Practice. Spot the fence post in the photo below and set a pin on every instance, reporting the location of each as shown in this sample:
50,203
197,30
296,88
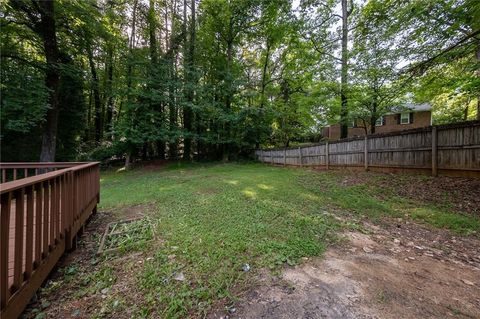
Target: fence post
434,151
327,160
366,153
300,156
285,156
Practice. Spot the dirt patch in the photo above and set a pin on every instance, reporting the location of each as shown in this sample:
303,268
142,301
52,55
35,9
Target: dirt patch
399,271
84,284
153,165
461,194
135,211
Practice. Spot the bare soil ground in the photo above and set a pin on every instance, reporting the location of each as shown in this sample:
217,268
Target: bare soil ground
396,270
461,194
60,297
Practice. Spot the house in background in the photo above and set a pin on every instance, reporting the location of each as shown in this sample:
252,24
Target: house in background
410,116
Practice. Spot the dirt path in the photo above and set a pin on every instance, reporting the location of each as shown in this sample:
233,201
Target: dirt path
399,270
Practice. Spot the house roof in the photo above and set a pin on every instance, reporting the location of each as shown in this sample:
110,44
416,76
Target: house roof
412,107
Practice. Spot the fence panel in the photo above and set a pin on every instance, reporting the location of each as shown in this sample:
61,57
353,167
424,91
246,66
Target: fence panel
347,153
452,149
459,148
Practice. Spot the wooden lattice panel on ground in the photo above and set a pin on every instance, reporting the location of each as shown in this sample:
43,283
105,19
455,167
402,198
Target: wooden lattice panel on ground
126,235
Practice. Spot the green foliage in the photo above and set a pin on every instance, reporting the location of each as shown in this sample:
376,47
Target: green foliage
437,39
103,152
225,77
448,108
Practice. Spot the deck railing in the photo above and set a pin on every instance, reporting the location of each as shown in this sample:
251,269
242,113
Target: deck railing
14,171
40,217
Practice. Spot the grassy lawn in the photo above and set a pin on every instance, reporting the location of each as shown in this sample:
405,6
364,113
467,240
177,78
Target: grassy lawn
212,220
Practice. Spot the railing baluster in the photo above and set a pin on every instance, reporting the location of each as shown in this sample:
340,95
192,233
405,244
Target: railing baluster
53,212
19,228
46,217
29,246
76,197
38,223
4,246
68,210
63,205
59,212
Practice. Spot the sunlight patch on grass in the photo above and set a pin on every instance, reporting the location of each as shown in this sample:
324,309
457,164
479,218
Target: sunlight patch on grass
310,196
232,182
264,187
250,193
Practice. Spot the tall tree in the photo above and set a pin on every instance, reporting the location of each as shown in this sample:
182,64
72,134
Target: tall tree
46,28
377,86
346,12
189,71
155,73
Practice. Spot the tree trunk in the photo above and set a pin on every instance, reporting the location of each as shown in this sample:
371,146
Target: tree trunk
47,31
89,117
130,47
264,74
226,149
96,96
154,70
189,80
374,117
131,44
478,75
172,109
344,72
109,92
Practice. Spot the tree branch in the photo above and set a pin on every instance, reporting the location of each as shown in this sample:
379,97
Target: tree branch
424,64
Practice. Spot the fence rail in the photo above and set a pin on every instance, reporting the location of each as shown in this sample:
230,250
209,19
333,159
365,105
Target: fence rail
40,217
447,149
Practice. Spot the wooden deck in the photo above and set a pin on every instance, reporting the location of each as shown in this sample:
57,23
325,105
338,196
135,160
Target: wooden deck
35,234
11,237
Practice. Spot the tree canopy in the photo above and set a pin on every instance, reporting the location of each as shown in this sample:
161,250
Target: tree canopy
215,79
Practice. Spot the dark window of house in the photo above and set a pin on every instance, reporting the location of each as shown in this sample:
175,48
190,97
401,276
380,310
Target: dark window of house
405,118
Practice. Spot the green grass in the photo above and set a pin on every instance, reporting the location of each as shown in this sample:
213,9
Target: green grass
212,219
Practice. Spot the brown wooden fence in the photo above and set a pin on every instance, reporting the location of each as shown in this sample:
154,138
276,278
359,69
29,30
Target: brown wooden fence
40,217
447,149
